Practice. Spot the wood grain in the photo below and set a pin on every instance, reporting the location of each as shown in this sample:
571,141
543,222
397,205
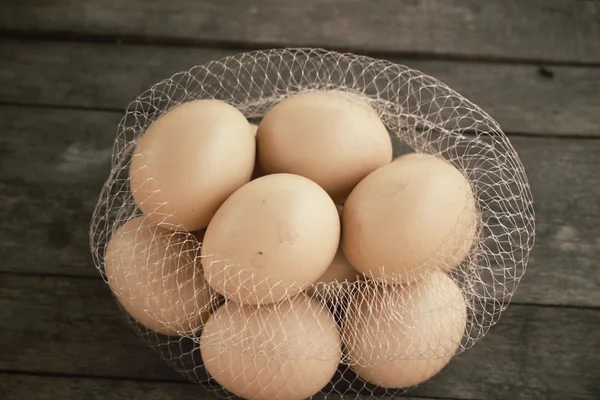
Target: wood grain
26,387
551,30
53,166
84,334
558,100
71,326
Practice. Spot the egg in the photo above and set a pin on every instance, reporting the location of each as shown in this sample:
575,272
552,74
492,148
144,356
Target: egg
398,337
258,169
286,351
253,128
189,161
416,214
341,271
157,277
270,239
331,137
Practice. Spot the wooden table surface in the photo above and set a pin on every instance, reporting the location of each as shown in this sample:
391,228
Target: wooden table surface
68,69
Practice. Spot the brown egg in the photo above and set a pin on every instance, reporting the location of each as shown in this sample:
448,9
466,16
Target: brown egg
253,128
271,239
199,235
157,277
331,137
189,161
398,337
413,215
286,351
340,270
258,169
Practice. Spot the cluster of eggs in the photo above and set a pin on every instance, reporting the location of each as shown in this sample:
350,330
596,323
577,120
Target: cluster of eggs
269,218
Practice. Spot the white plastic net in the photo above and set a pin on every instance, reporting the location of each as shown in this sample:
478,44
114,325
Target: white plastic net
358,337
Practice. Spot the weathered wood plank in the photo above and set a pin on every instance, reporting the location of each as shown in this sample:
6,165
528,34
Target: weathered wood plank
81,326
555,30
45,228
90,75
84,334
53,166
532,353
29,387
522,98
564,262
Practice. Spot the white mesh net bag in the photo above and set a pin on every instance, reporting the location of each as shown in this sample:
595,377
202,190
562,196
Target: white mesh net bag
360,337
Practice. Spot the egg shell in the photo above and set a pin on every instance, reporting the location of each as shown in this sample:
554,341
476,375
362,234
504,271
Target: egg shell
286,351
398,337
340,270
157,277
189,161
271,239
331,137
258,168
253,128
413,215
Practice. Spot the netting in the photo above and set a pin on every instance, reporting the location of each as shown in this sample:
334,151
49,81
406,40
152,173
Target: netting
363,336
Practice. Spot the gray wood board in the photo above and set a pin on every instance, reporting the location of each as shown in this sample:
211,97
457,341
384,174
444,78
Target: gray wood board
72,326
558,100
26,387
54,162
552,30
